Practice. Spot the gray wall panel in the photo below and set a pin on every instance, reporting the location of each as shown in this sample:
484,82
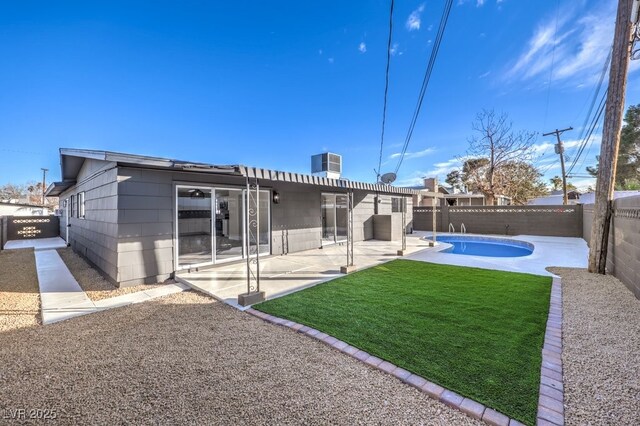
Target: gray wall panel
95,236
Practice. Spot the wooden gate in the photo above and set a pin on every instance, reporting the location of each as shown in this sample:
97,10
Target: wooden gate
25,227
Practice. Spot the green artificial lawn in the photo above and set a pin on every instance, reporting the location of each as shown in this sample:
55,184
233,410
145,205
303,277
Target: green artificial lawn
477,332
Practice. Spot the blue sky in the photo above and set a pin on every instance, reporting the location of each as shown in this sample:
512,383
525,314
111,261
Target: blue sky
271,83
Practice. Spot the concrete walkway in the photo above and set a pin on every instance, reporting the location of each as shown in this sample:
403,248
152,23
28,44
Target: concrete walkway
62,297
36,244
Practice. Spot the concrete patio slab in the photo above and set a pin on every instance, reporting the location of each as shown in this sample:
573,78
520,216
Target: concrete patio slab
36,244
281,275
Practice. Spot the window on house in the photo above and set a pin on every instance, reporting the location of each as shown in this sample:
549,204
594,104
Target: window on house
396,204
71,206
81,205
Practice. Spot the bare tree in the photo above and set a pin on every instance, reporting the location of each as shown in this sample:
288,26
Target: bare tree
10,191
500,145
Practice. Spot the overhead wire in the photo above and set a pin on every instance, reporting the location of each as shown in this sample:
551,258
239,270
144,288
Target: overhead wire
386,89
588,126
592,126
425,81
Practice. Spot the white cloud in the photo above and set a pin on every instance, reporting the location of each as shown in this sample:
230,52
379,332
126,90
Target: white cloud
480,3
331,60
485,74
362,47
411,155
394,49
574,53
439,169
414,20
320,52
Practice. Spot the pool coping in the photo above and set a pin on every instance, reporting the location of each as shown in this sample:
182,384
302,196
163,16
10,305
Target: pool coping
551,391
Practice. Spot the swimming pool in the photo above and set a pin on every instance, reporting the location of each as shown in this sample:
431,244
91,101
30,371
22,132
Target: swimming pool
486,246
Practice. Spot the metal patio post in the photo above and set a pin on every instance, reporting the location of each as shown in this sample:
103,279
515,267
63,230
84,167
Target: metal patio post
403,230
350,267
253,294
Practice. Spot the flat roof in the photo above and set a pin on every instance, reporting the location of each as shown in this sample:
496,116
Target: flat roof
71,161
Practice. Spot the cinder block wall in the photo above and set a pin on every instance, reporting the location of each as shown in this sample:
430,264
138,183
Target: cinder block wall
623,256
560,221
95,236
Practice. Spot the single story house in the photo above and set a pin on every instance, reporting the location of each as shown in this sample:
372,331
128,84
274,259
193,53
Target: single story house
8,208
556,198
451,196
140,219
590,197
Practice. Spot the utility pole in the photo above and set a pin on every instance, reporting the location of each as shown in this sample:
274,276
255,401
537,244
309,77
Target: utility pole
560,150
622,43
44,183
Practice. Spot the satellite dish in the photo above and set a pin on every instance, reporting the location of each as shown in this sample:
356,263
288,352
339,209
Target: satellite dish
387,178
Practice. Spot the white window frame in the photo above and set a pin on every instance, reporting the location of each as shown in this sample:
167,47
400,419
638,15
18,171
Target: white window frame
81,209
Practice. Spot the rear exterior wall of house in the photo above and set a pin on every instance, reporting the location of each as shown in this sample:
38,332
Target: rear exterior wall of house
128,230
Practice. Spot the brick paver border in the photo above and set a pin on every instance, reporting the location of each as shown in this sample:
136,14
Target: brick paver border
550,402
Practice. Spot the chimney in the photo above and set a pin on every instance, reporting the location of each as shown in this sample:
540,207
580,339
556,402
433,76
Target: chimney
430,184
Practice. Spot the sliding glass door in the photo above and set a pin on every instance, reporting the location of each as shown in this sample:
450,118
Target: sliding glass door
194,239
211,225
334,211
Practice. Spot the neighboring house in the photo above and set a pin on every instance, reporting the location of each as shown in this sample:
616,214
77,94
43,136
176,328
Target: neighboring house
590,197
574,197
22,209
556,198
139,219
452,197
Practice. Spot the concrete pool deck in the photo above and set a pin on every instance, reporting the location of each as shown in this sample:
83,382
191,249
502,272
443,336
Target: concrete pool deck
564,252
281,275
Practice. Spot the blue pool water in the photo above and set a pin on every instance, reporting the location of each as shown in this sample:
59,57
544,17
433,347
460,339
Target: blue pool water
486,246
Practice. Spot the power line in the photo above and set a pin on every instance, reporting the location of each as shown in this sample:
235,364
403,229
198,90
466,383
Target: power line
592,126
425,80
386,90
588,127
586,155
603,73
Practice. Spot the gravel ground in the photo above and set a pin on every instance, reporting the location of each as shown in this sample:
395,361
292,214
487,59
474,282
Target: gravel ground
601,353
19,292
186,358
92,282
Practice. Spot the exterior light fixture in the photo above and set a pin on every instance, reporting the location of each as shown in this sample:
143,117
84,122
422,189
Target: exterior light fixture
276,198
197,193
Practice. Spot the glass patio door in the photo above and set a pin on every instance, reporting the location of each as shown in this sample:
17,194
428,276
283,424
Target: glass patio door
334,211
194,226
211,225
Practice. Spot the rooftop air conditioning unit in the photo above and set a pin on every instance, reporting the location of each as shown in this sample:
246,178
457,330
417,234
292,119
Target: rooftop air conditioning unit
327,165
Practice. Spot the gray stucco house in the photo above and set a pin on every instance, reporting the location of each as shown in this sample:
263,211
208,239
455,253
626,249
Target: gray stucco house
140,219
